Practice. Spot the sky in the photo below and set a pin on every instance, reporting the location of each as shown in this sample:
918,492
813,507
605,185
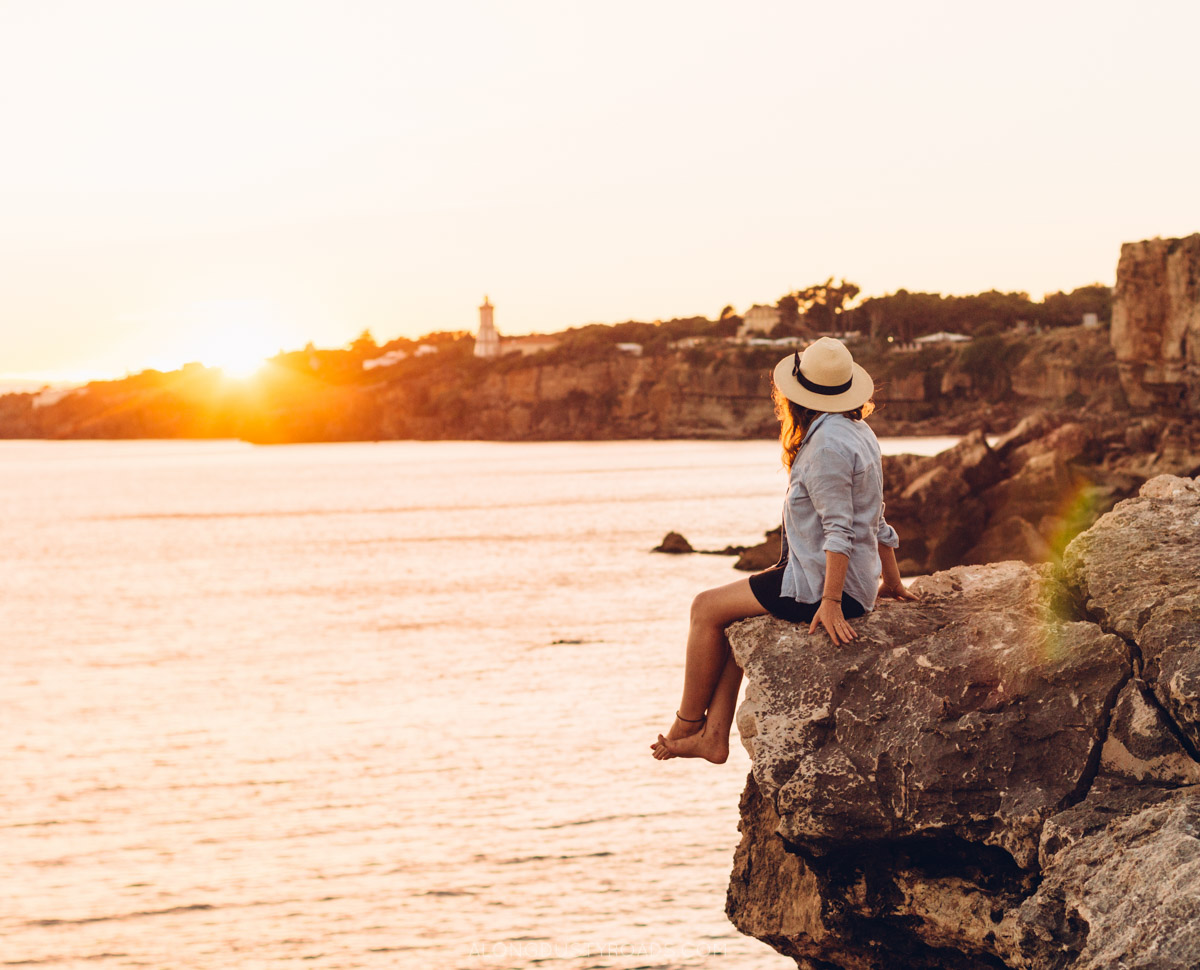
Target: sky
216,180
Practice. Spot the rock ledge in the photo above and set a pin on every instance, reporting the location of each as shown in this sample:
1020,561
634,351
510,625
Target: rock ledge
1004,775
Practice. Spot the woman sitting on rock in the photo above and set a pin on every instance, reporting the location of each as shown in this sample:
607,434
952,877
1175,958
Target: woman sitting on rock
836,543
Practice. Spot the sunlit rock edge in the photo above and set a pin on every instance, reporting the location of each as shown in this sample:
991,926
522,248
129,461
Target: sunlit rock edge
1003,775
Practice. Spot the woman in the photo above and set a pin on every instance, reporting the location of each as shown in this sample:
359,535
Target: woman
836,542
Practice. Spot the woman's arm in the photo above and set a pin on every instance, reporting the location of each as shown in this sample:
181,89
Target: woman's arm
891,583
829,613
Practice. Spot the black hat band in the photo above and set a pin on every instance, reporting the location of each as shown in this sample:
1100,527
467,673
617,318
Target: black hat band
829,389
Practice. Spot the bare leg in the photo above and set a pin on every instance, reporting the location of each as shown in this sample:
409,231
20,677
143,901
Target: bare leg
709,669
712,742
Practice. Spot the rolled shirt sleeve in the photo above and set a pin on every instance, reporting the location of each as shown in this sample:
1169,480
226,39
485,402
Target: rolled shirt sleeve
887,535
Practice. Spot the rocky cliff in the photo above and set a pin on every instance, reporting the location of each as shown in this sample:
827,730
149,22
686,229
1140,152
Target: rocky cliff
1023,495
1156,322
715,390
1003,775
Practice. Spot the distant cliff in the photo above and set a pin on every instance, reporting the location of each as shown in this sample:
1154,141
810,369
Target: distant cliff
1156,322
713,390
1006,774
587,388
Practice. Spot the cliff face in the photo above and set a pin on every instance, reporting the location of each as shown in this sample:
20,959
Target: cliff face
715,390
1156,322
628,397
1003,775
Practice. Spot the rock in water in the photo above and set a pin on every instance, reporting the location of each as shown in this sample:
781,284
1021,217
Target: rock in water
673,542
1003,775
763,556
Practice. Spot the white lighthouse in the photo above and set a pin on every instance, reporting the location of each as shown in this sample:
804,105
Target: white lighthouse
487,341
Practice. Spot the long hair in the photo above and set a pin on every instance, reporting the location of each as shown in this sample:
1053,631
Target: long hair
795,420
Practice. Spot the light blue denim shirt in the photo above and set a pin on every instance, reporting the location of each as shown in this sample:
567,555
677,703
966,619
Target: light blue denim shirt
835,503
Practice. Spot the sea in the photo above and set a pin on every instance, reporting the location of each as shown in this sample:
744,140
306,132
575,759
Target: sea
365,705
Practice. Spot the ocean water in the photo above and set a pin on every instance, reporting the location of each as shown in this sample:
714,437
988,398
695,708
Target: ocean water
364,705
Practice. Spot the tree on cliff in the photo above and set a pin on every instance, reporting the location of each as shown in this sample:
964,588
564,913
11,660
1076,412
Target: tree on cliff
728,323
726,327
903,315
1067,309
363,344
789,311
824,304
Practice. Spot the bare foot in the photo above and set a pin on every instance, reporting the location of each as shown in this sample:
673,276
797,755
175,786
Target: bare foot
700,744
679,729
682,729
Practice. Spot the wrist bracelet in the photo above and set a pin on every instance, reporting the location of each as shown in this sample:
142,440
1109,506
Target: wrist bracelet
831,599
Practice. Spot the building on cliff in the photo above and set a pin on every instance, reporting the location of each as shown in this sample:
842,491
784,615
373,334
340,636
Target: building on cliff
759,318
487,341
942,337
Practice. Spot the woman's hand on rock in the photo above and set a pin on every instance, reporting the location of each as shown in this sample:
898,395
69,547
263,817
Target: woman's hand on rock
829,615
899,591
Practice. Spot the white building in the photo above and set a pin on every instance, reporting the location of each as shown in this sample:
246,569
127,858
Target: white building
387,360
942,337
759,317
487,341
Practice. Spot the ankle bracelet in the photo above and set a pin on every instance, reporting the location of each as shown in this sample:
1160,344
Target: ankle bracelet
690,720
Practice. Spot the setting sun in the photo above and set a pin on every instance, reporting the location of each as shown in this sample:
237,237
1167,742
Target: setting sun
235,335
241,369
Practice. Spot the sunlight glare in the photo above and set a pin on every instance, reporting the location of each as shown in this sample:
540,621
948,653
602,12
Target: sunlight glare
236,336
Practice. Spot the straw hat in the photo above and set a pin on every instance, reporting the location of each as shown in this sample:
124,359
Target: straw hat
824,378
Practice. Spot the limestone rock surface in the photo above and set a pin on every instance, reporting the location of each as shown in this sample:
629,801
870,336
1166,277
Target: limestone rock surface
1156,321
1026,494
1137,571
1002,775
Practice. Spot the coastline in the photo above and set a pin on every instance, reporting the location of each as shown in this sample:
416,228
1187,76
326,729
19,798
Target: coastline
718,391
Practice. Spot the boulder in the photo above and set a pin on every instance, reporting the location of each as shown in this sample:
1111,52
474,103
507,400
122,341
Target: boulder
1121,885
1035,425
1005,774
673,542
1041,487
921,724
975,460
1136,574
1012,538
763,556
1072,442
939,484
899,470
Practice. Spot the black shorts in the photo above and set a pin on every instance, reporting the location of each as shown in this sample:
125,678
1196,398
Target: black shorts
766,586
